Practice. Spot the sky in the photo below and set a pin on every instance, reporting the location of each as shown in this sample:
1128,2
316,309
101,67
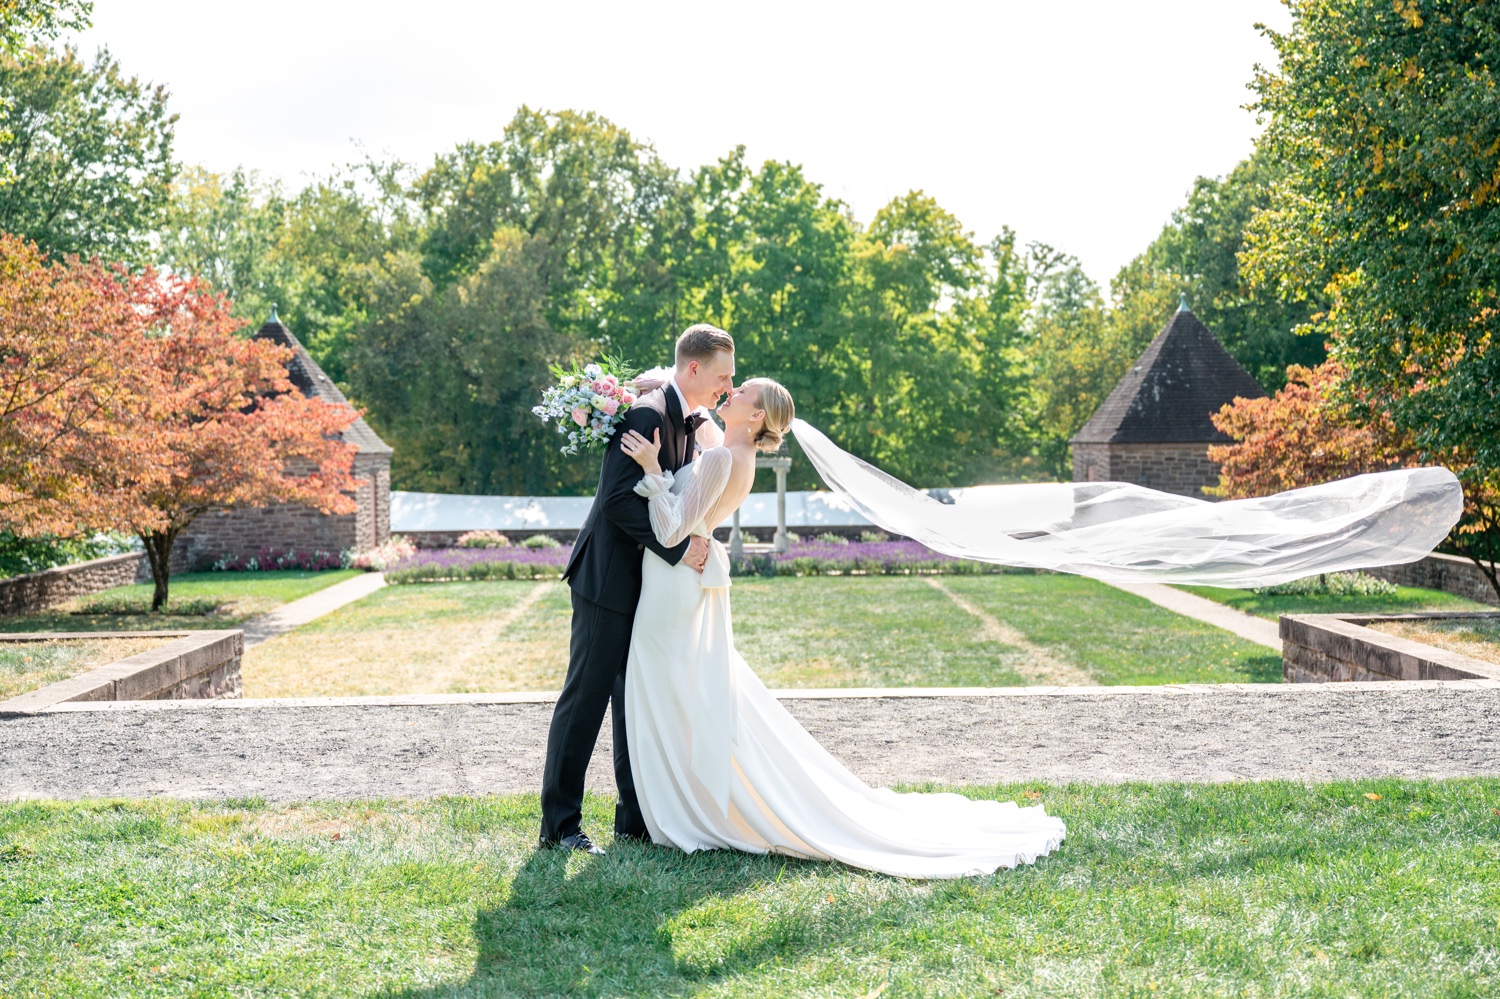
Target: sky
1079,124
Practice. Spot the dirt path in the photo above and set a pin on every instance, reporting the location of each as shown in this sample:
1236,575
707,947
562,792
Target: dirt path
486,744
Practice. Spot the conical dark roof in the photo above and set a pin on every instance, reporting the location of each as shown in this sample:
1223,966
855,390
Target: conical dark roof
308,377
1167,396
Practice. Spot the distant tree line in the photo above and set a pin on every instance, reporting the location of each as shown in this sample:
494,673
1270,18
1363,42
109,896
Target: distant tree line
438,296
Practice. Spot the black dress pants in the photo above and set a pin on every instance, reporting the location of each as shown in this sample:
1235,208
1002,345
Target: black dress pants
596,678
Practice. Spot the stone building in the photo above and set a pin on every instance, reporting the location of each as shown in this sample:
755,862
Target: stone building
245,531
1154,429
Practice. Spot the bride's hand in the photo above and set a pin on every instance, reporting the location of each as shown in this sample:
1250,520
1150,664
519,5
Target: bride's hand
647,383
643,451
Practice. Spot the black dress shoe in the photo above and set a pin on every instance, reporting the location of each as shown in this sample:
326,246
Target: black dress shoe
578,841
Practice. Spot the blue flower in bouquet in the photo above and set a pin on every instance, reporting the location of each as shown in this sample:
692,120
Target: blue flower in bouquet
587,403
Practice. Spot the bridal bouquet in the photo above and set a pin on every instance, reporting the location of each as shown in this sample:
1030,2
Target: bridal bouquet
587,402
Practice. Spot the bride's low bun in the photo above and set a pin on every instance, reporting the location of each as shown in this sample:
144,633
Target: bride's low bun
776,402
769,441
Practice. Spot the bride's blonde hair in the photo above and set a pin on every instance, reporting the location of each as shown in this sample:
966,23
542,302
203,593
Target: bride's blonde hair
776,402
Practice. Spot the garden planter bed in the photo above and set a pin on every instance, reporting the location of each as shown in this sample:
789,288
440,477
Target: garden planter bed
201,664
1323,648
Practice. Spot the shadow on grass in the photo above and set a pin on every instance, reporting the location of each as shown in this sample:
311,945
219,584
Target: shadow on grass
576,925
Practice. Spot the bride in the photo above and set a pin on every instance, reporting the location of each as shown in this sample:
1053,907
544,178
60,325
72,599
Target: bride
718,762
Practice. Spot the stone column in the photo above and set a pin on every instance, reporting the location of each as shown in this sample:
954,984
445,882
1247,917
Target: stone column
781,540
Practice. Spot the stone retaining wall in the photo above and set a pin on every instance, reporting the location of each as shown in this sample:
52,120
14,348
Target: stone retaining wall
1325,648
36,591
200,664
1449,573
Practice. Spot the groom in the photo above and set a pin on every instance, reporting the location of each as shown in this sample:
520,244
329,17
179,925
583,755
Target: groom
605,574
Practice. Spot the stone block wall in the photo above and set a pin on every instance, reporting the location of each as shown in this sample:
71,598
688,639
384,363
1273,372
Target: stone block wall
1449,573
245,531
1183,469
204,664
1329,648
36,591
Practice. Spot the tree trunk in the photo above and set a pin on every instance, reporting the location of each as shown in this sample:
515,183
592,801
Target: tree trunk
1482,547
159,556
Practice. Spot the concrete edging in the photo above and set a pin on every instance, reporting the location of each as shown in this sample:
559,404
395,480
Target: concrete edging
1337,648
196,664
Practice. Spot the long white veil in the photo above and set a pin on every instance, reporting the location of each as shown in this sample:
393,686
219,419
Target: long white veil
1123,532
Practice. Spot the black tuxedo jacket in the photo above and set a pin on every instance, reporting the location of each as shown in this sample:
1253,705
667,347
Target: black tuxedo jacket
605,567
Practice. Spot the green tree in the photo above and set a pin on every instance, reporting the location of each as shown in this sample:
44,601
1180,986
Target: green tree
23,22
1384,119
1075,355
314,255
86,154
225,229
915,369
1198,254
457,371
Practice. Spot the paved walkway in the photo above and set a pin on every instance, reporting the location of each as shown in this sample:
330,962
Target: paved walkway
425,746
1247,626
299,612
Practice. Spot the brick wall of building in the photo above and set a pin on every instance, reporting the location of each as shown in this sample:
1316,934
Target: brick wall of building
287,525
1183,469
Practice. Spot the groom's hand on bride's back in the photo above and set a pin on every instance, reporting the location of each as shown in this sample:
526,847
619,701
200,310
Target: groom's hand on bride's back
697,553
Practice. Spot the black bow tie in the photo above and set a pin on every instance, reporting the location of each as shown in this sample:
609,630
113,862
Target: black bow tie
693,422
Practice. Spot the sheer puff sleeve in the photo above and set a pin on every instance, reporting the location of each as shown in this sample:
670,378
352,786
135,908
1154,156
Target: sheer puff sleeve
674,516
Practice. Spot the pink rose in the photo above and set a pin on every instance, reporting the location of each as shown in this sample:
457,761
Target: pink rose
627,399
598,386
611,407
581,416
610,383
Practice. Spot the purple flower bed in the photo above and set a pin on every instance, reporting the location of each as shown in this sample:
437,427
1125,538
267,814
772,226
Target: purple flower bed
805,558
434,564
876,558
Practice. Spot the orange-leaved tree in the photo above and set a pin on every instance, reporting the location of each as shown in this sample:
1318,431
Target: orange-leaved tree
127,402
221,420
1317,429
67,342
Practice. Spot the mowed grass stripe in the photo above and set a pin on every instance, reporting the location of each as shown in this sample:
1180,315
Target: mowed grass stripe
441,638
865,631
1370,888
1117,637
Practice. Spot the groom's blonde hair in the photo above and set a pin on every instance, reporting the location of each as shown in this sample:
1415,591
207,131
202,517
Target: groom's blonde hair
701,342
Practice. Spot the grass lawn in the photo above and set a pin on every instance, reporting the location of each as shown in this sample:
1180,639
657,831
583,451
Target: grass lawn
238,596
1118,637
1476,637
1372,888
432,638
28,665
1405,600
837,631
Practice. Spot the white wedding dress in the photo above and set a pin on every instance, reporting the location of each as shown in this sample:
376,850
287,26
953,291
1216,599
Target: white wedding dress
719,763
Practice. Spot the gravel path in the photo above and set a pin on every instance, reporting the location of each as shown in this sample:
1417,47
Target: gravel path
478,745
